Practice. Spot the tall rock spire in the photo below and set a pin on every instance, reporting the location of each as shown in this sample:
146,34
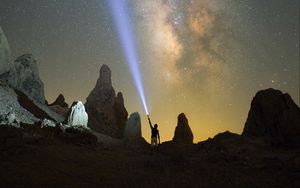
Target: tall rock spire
107,113
183,133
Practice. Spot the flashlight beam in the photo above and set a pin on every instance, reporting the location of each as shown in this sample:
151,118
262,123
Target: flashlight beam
119,10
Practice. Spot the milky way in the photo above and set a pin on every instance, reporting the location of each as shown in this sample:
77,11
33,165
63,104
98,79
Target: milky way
206,58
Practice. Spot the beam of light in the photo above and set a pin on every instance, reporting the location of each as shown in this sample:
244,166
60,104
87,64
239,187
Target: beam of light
119,11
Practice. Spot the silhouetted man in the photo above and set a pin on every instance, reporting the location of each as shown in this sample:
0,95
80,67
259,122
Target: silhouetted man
154,133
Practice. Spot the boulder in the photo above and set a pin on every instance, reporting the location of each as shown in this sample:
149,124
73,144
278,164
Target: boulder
274,116
77,115
107,113
133,130
5,55
183,133
25,77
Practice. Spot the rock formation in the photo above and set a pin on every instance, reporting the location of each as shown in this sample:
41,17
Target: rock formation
10,103
60,106
107,113
133,130
121,113
183,133
275,117
5,64
78,115
39,111
60,101
22,74
26,78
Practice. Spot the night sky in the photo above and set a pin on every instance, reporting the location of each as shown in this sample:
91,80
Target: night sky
206,58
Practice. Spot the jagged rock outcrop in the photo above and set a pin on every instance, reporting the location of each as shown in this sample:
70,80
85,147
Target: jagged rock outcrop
275,117
60,101
107,113
60,106
183,133
5,55
133,130
77,115
25,77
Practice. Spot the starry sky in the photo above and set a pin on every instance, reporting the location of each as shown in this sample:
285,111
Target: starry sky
206,58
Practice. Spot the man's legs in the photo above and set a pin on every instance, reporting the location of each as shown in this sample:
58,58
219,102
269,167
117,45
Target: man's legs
153,141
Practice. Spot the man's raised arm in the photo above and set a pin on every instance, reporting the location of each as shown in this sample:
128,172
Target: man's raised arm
150,122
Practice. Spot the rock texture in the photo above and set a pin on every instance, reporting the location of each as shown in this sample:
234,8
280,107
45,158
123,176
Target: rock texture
25,77
275,117
10,119
133,130
59,110
78,115
106,110
9,103
5,54
36,110
121,113
183,133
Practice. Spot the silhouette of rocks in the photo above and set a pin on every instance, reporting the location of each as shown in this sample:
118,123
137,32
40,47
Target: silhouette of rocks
107,113
183,133
275,117
60,106
133,130
222,146
60,101
25,77
5,54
